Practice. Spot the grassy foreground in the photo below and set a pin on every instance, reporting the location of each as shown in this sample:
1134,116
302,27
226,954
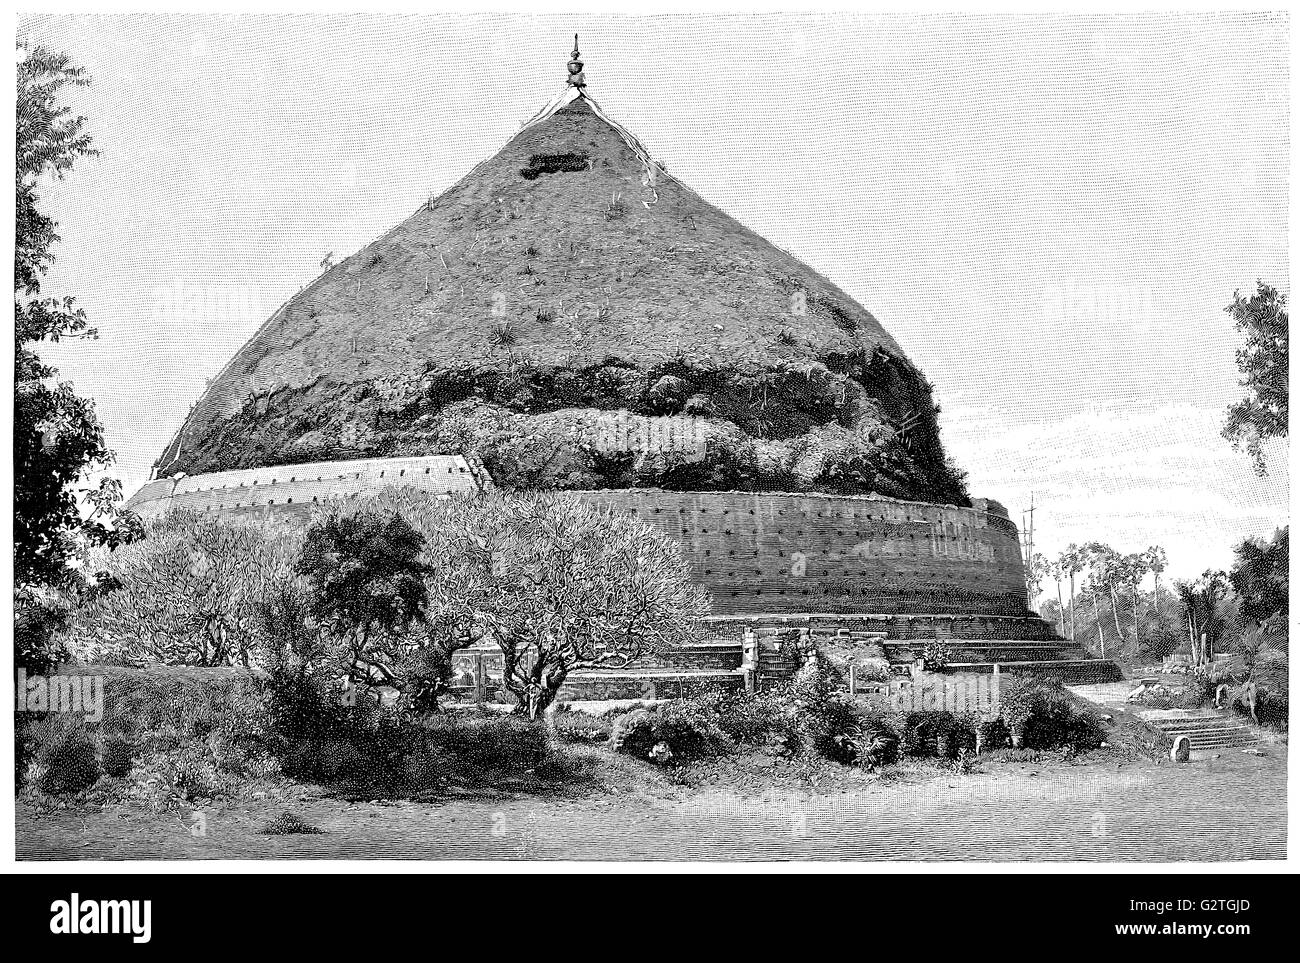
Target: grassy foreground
1103,806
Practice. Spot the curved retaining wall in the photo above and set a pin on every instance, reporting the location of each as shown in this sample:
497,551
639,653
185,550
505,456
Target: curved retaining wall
756,552
838,554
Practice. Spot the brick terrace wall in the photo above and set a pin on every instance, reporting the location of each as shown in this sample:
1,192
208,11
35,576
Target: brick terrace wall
824,553
769,553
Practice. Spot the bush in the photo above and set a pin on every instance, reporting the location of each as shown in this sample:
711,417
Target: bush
65,760
871,741
580,727
938,733
809,714
366,749
176,776
1272,708
753,718
683,727
117,754
288,824
173,735
993,734
1046,717
816,681
832,728
488,743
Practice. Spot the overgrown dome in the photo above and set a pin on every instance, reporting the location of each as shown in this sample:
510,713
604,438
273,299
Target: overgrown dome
577,318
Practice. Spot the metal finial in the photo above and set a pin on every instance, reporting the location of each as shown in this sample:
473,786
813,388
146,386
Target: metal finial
576,79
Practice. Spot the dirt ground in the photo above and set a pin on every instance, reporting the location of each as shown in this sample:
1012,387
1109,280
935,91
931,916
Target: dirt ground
1229,807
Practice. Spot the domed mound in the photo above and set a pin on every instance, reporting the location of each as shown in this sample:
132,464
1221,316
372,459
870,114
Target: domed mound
577,318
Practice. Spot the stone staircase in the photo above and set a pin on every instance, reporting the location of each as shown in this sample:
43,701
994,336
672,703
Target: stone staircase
1204,728
1023,644
976,643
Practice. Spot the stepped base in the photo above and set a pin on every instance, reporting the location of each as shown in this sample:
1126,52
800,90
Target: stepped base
899,627
1067,671
647,684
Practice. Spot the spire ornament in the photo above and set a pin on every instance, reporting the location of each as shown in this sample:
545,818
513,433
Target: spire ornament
576,79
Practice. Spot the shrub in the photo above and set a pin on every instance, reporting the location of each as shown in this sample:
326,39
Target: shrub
938,733
117,753
870,741
364,748
66,760
287,824
831,727
1272,707
580,727
1046,717
186,728
489,743
687,732
993,734
753,718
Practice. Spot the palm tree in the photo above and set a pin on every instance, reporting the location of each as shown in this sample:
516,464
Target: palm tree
1057,570
1072,562
1135,568
1156,561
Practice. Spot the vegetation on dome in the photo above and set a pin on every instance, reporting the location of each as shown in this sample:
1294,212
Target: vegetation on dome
563,280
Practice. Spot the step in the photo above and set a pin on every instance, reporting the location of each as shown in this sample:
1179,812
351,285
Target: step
1073,671
904,625
1212,722
1223,742
647,683
829,633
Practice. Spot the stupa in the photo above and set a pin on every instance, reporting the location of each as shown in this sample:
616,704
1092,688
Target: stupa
571,316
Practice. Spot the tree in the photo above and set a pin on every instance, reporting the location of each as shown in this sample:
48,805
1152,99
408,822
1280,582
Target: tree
1056,568
366,578
1263,362
1202,601
1133,569
562,586
191,592
58,441
1036,572
1072,561
1099,560
1261,578
459,582
1156,562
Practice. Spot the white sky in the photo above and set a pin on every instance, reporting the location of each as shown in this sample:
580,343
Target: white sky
1048,213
